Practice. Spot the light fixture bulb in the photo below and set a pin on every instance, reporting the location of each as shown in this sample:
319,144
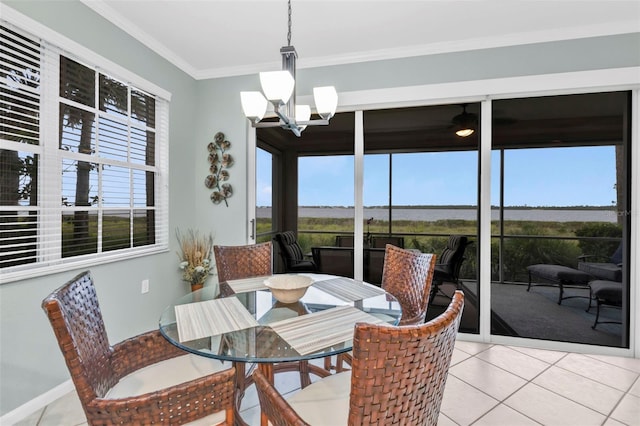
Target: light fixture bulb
463,133
277,86
303,113
254,105
326,99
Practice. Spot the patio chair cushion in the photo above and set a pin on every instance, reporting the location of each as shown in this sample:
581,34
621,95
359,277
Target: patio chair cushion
604,271
559,273
609,292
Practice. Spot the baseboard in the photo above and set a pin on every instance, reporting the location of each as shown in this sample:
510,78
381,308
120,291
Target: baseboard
37,403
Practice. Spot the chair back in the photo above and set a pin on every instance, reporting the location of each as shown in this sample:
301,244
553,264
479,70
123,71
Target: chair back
399,373
453,255
237,262
75,316
344,240
334,260
381,242
407,275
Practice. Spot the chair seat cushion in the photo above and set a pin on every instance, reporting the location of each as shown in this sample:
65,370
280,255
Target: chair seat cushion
169,373
559,273
604,271
608,291
324,402
165,374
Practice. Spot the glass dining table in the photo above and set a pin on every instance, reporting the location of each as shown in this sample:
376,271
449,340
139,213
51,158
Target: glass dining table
240,321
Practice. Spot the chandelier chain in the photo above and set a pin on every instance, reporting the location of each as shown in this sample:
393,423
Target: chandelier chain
289,27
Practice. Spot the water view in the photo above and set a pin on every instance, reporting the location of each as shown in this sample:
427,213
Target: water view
433,214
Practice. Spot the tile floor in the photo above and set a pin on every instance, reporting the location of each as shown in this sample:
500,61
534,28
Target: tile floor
488,385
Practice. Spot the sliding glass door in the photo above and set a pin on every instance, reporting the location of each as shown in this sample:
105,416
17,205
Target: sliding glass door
560,227
559,194
420,189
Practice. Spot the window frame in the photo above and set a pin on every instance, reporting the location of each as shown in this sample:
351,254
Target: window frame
49,207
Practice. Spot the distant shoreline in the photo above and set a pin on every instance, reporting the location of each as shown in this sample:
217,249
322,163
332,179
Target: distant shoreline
608,208
435,213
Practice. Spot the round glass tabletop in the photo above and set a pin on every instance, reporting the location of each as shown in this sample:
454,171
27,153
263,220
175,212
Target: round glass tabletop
240,320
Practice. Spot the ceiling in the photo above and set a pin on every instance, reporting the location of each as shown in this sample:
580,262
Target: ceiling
218,38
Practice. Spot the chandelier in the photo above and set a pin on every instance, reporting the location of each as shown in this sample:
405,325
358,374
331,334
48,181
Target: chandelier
279,89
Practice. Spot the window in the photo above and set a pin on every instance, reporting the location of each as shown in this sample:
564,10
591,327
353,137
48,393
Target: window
81,152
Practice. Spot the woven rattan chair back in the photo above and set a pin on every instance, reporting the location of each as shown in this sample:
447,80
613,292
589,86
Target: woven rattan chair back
408,275
96,366
237,262
407,365
398,374
77,322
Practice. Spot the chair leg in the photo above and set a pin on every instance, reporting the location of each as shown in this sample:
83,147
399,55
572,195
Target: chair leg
305,377
327,363
597,315
561,294
590,299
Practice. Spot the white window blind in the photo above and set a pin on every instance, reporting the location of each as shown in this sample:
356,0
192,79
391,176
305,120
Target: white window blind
82,161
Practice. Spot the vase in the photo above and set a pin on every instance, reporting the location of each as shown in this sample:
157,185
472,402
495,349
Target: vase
196,286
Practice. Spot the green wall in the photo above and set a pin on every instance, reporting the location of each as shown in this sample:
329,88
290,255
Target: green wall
30,361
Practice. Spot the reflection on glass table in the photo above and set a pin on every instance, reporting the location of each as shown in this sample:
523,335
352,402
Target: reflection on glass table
240,321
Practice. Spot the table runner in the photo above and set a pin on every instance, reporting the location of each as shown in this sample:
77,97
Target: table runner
316,331
212,317
248,284
347,289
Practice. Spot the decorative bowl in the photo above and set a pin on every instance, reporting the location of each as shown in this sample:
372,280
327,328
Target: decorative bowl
288,288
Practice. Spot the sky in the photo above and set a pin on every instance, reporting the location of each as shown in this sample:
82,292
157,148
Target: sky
533,177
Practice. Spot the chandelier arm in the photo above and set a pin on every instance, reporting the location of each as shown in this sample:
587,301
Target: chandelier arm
278,91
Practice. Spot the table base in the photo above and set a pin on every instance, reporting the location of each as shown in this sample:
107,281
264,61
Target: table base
243,381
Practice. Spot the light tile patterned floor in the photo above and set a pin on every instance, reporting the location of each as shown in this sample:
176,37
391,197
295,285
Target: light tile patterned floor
489,385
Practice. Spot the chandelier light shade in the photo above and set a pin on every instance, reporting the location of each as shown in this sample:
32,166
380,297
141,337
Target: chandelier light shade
326,99
278,88
254,105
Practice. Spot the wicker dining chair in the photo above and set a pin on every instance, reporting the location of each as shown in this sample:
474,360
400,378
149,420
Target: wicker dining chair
407,275
245,261
142,380
398,376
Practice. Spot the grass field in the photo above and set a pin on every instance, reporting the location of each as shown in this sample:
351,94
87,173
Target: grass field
523,243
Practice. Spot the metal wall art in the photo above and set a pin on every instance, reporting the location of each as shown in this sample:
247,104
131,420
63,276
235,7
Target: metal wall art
220,160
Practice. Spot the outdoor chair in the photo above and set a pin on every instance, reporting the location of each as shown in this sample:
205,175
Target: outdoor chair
373,259
563,276
344,240
291,253
381,242
449,264
398,376
609,270
142,380
605,293
334,260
